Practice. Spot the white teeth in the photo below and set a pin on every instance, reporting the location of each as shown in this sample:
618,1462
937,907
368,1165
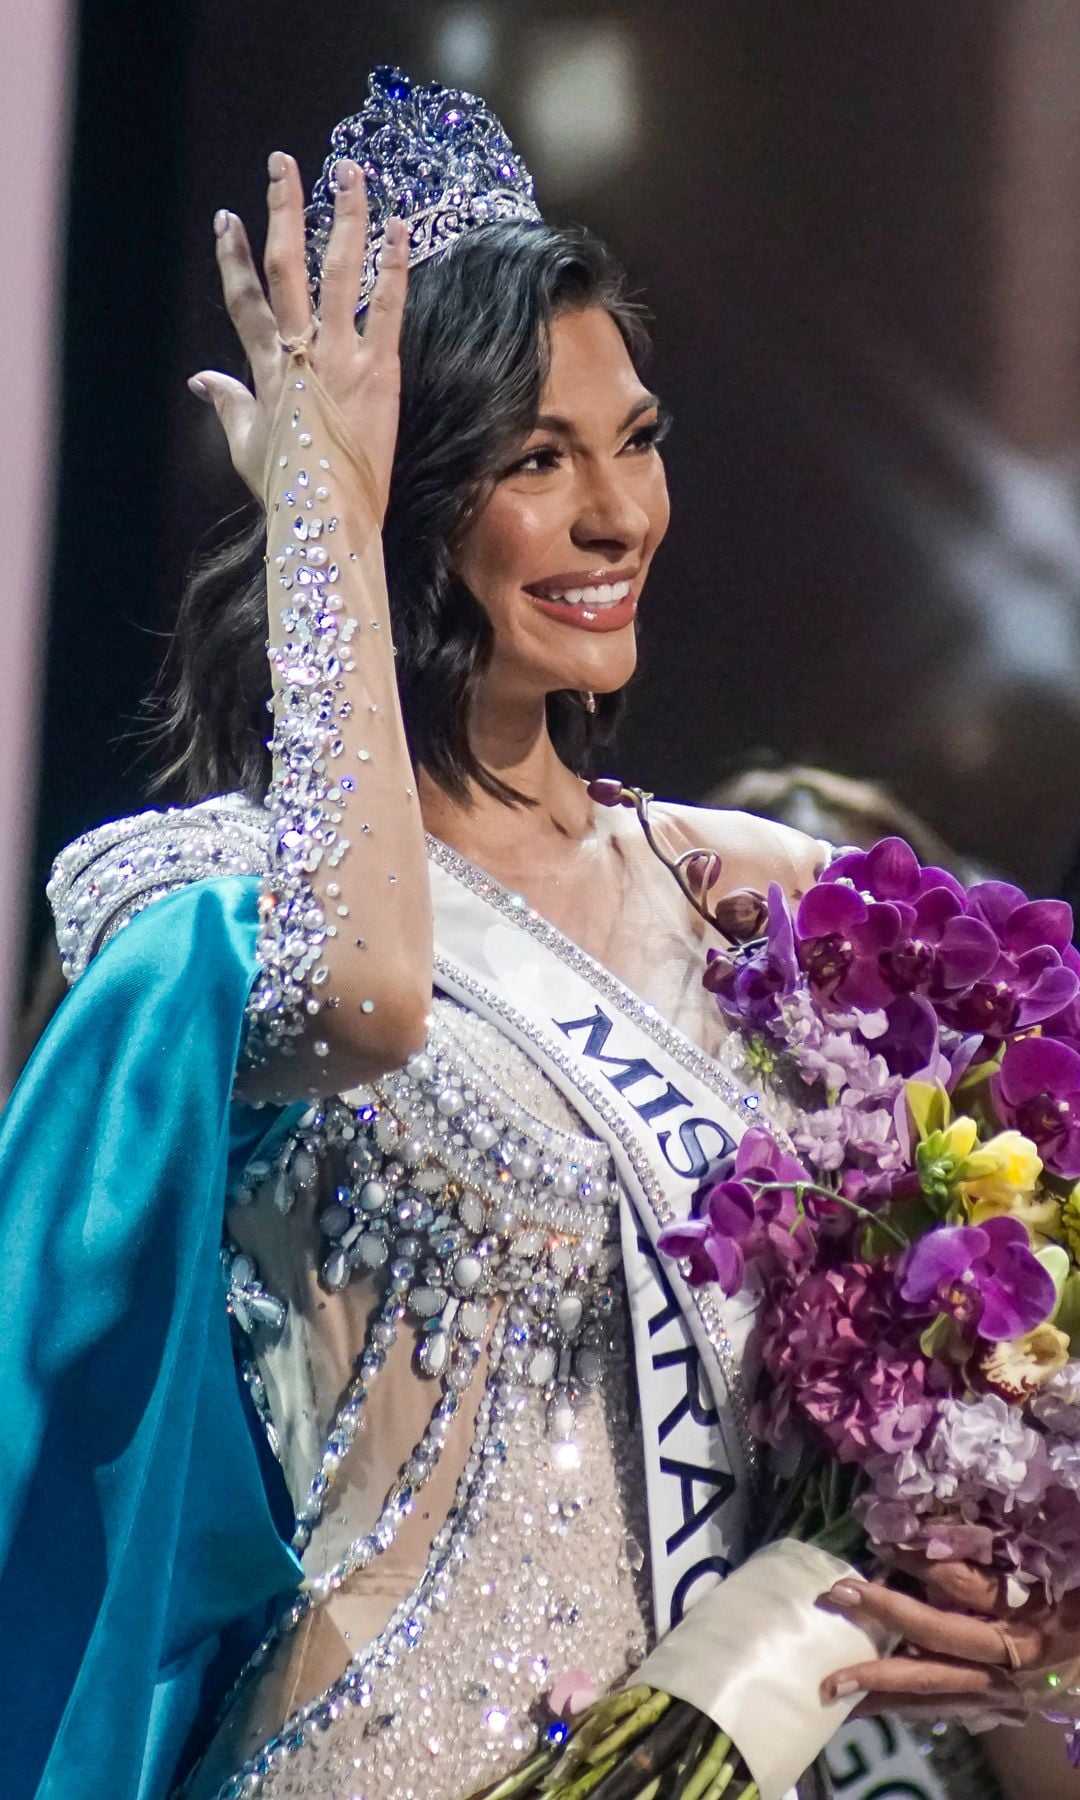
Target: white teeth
603,595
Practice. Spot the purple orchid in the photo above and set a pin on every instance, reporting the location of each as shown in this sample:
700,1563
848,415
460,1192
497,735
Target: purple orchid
945,952
986,1276
842,939
733,1221
1066,1023
748,986
711,1241
1032,980
1037,1089
891,871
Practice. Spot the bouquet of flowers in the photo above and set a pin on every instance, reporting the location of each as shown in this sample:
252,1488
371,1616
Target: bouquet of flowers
912,1226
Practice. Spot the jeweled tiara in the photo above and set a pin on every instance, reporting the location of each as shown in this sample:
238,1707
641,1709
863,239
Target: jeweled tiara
431,155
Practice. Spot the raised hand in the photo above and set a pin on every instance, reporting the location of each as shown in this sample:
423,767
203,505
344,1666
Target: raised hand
361,374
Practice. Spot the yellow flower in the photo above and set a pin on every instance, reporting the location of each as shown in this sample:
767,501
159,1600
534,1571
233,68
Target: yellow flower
1016,1369
1002,1177
1016,1168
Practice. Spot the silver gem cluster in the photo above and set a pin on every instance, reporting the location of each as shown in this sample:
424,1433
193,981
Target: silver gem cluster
436,157
308,793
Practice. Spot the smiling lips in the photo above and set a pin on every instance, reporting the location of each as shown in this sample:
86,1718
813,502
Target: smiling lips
598,602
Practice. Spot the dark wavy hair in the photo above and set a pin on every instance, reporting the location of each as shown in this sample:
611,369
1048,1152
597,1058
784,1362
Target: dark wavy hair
475,348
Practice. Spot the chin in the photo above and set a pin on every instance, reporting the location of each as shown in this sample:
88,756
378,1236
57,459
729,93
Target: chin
607,674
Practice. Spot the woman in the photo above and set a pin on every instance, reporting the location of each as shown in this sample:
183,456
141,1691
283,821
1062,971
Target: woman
439,1213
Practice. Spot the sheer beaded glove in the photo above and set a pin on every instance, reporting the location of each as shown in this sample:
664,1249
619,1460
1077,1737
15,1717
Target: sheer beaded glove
345,939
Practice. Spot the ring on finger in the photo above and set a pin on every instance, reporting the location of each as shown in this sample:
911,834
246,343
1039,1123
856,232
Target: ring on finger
1011,1648
304,339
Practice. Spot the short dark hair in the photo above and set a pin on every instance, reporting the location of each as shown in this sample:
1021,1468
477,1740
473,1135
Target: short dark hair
475,347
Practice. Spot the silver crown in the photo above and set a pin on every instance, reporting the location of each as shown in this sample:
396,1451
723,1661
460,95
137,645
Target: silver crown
433,156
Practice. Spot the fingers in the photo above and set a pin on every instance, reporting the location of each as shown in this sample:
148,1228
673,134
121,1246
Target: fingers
382,328
961,1584
917,1675
245,301
974,1711
930,1627
236,409
283,261
342,270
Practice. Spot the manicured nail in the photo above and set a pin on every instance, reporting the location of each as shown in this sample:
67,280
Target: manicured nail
397,233
198,387
222,221
345,173
277,165
838,1687
845,1593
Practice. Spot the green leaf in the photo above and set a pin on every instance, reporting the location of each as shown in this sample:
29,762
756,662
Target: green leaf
1057,1263
928,1104
912,1216
1067,1317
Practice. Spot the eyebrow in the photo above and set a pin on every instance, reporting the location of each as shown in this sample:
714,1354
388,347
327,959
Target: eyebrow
552,421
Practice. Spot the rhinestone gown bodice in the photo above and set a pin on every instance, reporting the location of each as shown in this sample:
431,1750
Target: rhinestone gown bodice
426,1285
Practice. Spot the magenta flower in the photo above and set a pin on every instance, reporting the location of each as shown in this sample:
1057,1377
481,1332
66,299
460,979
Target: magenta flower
1035,976
986,1276
1066,1023
747,984
842,939
1020,924
843,1354
891,871
711,1242
733,1221
1037,1089
945,952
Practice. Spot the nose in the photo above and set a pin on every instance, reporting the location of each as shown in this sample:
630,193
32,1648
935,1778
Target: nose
609,520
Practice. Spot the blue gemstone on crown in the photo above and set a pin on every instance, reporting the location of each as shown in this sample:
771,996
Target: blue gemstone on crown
434,156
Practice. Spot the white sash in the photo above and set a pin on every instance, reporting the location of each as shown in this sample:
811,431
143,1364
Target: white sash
666,1110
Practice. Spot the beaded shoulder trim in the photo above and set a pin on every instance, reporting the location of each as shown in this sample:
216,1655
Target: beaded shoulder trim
107,876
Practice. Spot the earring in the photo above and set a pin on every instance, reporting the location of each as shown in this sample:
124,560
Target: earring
588,700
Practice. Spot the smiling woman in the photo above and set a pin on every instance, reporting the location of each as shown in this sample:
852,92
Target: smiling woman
400,1029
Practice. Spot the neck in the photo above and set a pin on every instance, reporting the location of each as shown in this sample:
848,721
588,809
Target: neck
511,740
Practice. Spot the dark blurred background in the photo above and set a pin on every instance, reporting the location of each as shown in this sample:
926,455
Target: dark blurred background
858,226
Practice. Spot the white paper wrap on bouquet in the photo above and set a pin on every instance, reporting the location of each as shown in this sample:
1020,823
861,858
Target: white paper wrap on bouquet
752,1654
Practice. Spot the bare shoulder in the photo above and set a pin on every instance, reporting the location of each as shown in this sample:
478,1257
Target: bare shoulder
754,852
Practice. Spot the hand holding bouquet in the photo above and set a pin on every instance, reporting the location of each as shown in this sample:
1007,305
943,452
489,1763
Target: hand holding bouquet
912,1233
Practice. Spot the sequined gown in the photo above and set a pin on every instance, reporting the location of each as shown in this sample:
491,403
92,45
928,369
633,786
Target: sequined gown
425,1284
426,1291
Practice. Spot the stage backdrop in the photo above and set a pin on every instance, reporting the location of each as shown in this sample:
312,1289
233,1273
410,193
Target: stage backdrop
859,230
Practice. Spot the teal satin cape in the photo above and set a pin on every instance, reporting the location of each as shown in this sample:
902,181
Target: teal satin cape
137,1536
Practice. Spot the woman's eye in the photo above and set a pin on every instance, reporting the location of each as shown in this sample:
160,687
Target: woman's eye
649,436
536,462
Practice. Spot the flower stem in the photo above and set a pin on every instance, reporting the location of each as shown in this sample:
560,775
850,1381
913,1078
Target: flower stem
640,1722
590,1778
799,1188
522,1779
708,1768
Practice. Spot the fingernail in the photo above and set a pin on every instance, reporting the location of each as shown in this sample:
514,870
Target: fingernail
345,173
198,387
277,165
838,1687
845,1593
397,233
221,222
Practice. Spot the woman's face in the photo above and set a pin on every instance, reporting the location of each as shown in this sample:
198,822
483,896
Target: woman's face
559,553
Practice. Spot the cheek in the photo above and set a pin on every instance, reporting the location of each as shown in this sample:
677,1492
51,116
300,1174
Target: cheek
658,507
504,547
